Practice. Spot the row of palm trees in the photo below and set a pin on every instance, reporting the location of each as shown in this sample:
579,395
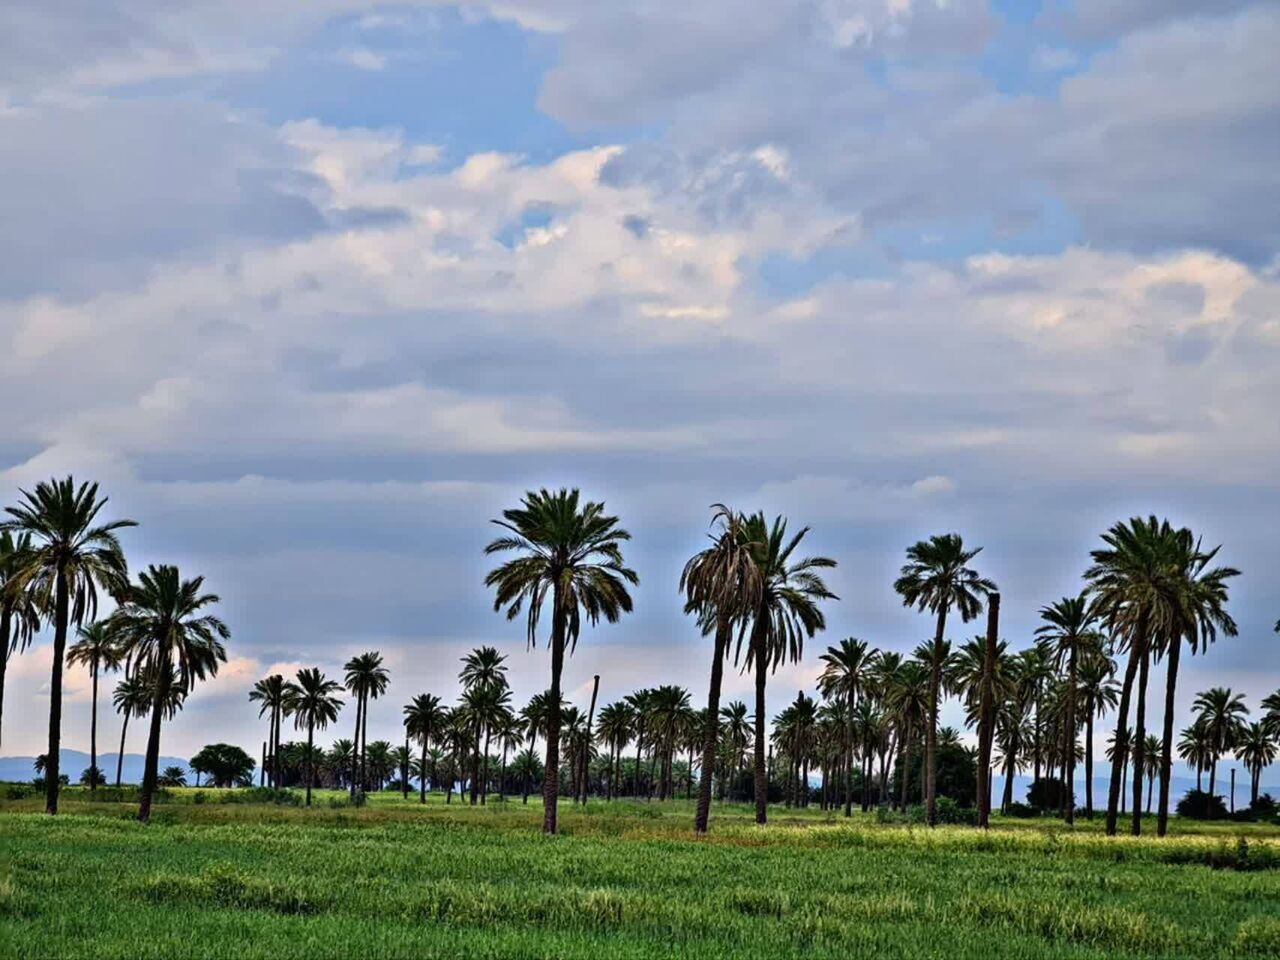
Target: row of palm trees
56,557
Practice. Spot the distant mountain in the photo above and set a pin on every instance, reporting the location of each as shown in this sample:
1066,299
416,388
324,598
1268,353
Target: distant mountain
74,762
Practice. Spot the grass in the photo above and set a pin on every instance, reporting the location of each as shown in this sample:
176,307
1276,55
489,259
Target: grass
395,879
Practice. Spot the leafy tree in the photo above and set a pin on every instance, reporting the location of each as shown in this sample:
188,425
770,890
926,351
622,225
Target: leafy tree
69,557
171,641
227,764
936,577
312,702
570,552
98,650
1198,805
92,777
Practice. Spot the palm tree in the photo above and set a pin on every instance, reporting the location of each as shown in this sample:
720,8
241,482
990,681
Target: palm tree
1151,764
484,684
1256,749
908,699
338,759
132,698
367,680
722,586
737,728
641,701
1068,627
1097,692
173,777
571,551
69,557
1194,748
312,700
617,722
1119,748
423,718
162,628
1132,582
19,615
96,649
788,612
936,577
1221,713
270,693
845,675
1202,592
1271,714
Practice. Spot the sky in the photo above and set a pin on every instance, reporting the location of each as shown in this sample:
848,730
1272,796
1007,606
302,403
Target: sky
315,291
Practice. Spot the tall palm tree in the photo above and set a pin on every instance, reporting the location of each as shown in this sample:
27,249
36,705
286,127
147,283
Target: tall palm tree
19,615
616,726
313,702
722,586
423,718
69,558
1097,691
162,626
98,650
845,675
788,612
484,684
367,680
641,701
1132,580
270,691
572,552
1202,594
1221,713
1069,629
937,577
1256,749
908,698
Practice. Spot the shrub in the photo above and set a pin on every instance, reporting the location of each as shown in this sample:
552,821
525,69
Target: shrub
1021,810
1198,805
18,791
1047,794
949,811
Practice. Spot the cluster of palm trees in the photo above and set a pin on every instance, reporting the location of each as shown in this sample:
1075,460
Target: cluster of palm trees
56,557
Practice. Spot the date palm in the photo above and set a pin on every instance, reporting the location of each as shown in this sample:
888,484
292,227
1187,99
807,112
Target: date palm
173,777
424,718
616,727
269,692
1271,714
97,650
568,552
1151,764
132,698
484,679
1097,691
1194,750
907,697
722,586
845,676
366,679
1221,715
937,577
736,725
313,703
788,612
338,758
162,626
1069,629
19,615
1256,749
641,701
68,558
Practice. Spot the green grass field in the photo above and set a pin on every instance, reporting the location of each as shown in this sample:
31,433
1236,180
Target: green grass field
394,879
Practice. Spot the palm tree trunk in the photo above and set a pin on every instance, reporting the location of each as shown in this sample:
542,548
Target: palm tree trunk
1121,754
311,740
931,737
1213,776
703,814
51,771
355,745
1166,746
986,711
364,744
1139,741
551,778
422,780
6,617
1069,793
150,768
1010,770
906,753
1088,766
124,727
758,631
93,733
639,751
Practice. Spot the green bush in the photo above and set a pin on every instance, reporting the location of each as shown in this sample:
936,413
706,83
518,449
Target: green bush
1021,810
1047,794
1198,805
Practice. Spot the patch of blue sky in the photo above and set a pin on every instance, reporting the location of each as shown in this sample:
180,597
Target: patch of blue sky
1030,54
531,218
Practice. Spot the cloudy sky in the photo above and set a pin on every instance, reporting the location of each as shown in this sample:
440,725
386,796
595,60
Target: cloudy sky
315,290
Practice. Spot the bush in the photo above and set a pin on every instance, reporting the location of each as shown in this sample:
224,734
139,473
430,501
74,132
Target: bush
1198,805
949,811
1021,810
18,791
199,797
1046,795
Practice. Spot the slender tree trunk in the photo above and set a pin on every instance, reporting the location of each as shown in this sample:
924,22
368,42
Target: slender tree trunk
1010,771
986,711
355,745
931,737
1088,765
124,728
1213,777
702,817
422,778
1122,721
591,722
758,631
93,732
404,769
310,766
635,779
1166,746
262,771
1069,794
1255,778
151,767
6,618
551,779
906,756
364,744
52,758
1139,741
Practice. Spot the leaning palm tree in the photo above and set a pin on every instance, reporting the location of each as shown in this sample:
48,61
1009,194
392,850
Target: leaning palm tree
166,634
1069,629
936,577
69,558
19,615
845,676
722,586
1220,713
367,680
98,650
312,701
1256,749
571,553
269,691
788,612
424,718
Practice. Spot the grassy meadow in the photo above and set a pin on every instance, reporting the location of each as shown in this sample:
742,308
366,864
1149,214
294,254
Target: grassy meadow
625,879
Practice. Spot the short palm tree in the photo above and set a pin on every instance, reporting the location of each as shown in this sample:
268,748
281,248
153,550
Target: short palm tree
313,702
1069,629
1195,750
168,637
269,692
1256,749
937,577
1221,714
571,553
424,718
789,611
69,557
173,777
19,615
98,650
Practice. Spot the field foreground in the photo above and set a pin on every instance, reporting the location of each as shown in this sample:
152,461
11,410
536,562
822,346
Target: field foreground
624,880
